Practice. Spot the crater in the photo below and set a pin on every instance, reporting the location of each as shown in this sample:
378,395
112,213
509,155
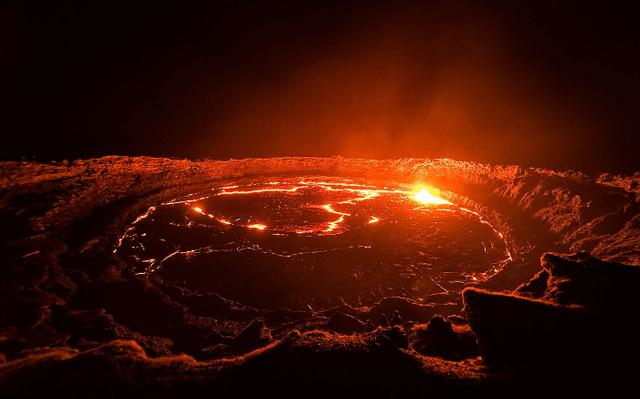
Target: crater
224,272
313,242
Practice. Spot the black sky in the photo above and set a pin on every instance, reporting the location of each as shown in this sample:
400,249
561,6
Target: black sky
551,84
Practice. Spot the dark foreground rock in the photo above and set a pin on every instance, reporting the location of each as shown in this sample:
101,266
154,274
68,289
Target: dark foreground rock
576,315
441,338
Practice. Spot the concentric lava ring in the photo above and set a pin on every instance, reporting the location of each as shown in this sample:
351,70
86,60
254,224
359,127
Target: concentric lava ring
313,242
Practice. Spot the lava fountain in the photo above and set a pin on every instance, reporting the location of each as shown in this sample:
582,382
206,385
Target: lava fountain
314,242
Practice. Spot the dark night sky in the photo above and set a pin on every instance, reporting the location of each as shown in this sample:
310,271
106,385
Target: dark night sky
530,82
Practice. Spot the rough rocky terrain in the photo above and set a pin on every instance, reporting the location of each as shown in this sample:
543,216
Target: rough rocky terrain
74,319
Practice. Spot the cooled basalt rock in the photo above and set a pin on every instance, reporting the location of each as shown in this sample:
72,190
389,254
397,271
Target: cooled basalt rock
313,364
441,338
345,323
574,312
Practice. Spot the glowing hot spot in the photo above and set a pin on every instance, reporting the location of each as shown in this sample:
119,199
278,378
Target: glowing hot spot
429,196
257,226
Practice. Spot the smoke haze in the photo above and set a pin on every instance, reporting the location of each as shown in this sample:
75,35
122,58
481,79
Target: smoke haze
533,83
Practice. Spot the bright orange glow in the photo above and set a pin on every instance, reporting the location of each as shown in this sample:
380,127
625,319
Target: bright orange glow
223,221
329,208
331,226
421,193
257,226
430,196
261,190
145,215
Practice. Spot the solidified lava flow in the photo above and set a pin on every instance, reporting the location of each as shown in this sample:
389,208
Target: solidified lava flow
313,242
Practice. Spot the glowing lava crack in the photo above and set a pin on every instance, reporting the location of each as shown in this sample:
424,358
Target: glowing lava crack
314,242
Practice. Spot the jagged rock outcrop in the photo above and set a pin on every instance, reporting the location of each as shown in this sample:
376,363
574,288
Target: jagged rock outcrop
576,313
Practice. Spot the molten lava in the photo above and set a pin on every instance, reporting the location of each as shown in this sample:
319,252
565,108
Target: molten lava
315,242
359,192
430,196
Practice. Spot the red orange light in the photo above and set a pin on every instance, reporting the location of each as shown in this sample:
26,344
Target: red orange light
430,196
257,226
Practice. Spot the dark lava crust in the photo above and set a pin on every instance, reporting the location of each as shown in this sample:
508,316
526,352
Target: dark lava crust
75,320
321,246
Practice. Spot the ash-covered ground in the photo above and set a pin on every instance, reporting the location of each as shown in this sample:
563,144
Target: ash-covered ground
82,315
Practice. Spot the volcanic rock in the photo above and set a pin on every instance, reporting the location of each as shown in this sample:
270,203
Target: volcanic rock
439,338
569,315
344,323
253,335
402,308
75,321
396,319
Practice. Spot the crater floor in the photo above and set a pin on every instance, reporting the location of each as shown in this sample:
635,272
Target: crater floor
312,242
